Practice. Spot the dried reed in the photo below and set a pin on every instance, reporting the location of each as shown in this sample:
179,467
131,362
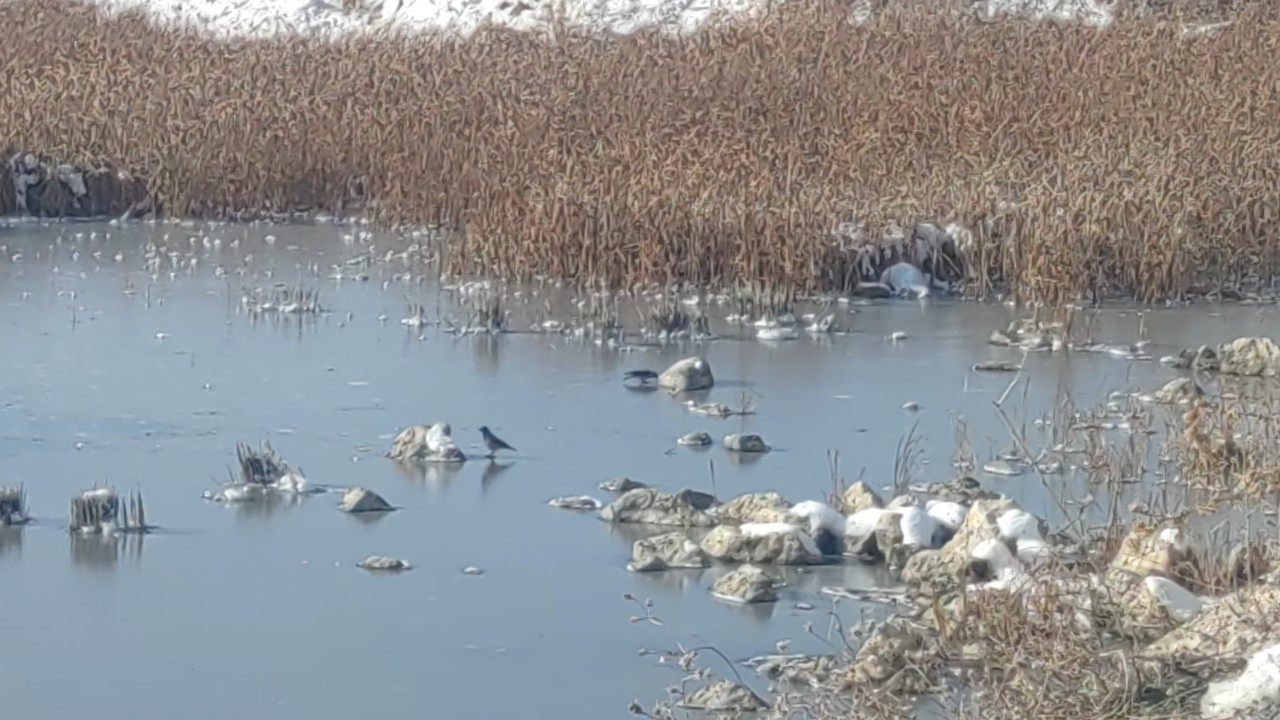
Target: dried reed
1140,159
13,506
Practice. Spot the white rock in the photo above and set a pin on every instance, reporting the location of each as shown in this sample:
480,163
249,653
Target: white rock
863,522
1018,524
1257,687
818,517
1182,604
948,513
919,529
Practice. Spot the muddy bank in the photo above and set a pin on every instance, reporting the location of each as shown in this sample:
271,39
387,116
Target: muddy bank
704,177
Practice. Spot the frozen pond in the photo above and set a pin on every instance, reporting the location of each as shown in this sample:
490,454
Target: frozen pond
109,375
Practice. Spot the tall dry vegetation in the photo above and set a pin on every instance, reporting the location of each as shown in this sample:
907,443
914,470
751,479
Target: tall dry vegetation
1131,160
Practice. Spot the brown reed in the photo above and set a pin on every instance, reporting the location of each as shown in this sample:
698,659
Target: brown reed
1132,160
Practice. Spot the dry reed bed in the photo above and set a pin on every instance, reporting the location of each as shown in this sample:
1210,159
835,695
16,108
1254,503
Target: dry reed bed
1131,160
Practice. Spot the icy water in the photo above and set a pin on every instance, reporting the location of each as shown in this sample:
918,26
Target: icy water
107,374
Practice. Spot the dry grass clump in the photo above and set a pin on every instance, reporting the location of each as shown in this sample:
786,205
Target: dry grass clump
1135,159
1229,448
1032,655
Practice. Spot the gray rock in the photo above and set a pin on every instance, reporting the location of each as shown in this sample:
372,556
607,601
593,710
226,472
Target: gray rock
1250,356
724,696
745,443
673,550
872,291
766,544
963,490
378,562
1178,391
581,503
687,375
1238,624
904,277
747,584
894,644
651,507
360,500
694,439
1003,468
765,507
860,496
996,366
621,485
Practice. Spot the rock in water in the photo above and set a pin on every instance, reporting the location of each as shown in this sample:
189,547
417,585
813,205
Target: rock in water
745,443
410,444
378,562
763,543
1179,391
687,375
905,277
665,552
747,584
724,696
765,507
1249,356
621,485
360,500
996,366
651,507
426,443
581,503
937,572
694,439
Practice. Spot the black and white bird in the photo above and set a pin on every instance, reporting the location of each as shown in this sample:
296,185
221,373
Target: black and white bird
493,442
642,378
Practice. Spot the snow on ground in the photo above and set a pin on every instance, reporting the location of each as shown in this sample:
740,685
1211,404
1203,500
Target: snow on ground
266,18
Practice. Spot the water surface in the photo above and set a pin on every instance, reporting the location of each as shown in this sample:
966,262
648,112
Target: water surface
145,375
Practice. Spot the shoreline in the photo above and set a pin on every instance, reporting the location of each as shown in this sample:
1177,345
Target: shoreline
567,158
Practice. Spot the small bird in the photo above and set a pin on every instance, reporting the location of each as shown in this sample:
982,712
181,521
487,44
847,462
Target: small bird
493,442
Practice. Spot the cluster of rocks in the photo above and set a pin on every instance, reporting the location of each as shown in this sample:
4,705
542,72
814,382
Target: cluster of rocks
1143,595
763,529
1245,356
45,189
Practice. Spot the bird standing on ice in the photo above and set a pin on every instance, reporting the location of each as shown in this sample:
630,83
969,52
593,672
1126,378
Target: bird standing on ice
493,442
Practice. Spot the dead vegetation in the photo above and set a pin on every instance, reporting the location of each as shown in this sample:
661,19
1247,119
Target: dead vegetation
1140,160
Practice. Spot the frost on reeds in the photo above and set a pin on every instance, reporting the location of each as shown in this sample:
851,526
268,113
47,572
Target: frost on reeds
263,475
282,300
670,319
1065,160
13,506
100,511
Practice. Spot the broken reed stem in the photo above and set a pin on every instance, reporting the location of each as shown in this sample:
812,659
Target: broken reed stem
1137,159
